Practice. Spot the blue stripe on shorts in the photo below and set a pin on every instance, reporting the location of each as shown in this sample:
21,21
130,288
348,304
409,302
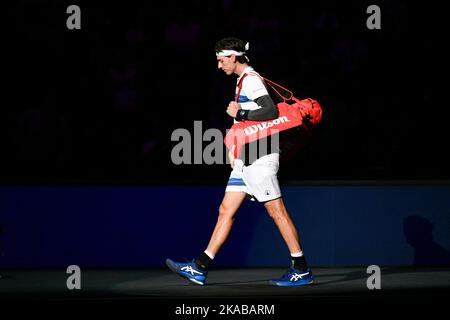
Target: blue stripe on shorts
235,182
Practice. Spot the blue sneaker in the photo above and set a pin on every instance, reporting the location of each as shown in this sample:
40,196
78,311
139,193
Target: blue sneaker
188,270
294,277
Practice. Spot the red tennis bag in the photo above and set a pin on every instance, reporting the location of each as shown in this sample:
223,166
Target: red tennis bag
292,112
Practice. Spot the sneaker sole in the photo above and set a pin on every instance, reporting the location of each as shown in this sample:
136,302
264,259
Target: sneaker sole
182,276
290,285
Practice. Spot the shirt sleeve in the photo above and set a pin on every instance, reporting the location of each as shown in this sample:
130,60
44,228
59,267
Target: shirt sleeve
267,110
254,87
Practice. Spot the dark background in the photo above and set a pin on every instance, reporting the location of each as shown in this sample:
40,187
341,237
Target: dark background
98,105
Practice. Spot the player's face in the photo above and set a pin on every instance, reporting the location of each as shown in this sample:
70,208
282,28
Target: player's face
226,64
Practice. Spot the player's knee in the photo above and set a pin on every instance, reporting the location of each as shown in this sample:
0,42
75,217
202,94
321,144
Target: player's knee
276,212
225,212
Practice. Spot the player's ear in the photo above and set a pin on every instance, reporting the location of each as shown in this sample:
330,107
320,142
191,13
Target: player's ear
233,58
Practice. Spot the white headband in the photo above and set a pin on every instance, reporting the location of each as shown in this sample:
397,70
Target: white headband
226,53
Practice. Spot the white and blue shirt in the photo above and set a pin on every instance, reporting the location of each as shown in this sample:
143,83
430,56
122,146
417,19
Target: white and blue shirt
252,88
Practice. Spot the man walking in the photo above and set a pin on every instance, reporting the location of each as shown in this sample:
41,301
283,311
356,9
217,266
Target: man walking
254,177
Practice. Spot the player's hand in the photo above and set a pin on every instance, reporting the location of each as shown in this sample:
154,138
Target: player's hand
233,108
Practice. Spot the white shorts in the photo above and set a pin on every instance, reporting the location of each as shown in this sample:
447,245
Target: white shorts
259,179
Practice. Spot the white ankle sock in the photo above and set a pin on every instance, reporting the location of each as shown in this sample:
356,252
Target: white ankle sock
209,254
297,254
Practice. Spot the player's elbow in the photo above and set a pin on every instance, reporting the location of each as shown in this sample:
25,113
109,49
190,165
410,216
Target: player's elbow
268,109
271,113
274,113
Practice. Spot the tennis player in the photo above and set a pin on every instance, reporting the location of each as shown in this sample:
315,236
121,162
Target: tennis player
253,177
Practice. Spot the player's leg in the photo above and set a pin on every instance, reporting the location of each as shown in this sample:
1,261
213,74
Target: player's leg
299,272
227,212
278,212
197,269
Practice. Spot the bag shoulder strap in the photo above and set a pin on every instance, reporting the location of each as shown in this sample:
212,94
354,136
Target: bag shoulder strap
274,84
240,86
271,83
